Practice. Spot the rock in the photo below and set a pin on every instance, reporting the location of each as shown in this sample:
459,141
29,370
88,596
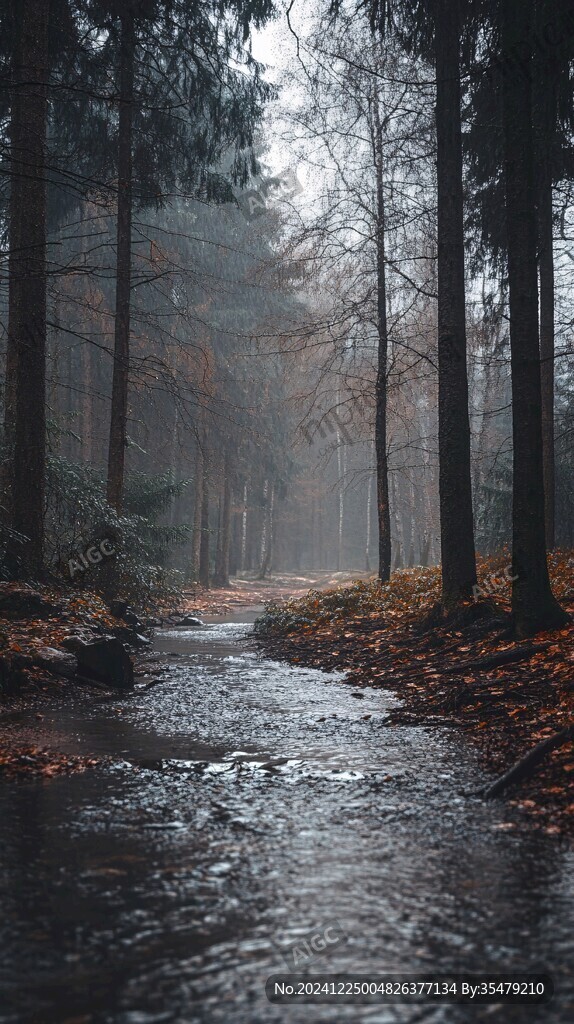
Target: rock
190,620
128,636
58,663
13,672
122,610
24,603
103,659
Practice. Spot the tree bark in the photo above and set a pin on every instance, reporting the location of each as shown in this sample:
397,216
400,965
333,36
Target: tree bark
546,272
14,282
119,410
545,113
221,577
341,496
27,327
368,525
197,505
204,542
235,543
267,535
383,509
242,564
533,604
455,489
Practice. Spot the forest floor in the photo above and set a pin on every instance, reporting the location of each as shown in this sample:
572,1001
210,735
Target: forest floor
507,695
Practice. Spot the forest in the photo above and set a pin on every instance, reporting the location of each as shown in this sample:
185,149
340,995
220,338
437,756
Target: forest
287,496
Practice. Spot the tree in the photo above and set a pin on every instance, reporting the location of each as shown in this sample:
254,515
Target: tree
383,509
457,532
553,114
533,604
27,318
416,24
120,380
545,131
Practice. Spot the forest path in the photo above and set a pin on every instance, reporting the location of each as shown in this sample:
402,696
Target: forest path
247,591
248,804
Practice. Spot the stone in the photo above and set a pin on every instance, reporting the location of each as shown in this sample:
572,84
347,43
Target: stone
58,663
122,610
103,659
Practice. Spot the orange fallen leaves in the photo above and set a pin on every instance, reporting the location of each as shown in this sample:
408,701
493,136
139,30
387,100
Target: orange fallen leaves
36,762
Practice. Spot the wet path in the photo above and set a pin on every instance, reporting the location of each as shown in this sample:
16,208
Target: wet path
249,803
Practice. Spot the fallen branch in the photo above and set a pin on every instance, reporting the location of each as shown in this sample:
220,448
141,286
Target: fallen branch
415,719
507,657
529,763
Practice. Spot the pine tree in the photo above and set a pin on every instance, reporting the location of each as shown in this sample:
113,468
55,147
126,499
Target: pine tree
457,533
533,604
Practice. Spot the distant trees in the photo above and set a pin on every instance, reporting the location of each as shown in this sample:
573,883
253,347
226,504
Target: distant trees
372,127
181,102
186,90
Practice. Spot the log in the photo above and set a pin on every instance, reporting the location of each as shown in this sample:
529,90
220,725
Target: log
528,764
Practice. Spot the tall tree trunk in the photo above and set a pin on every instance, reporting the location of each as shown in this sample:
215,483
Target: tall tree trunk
197,504
383,508
28,273
341,496
342,466
546,271
545,113
217,567
221,578
533,604
235,542
243,530
86,404
204,542
406,497
320,531
14,282
119,410
267,547
399,541
264,525
368,525
457,531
